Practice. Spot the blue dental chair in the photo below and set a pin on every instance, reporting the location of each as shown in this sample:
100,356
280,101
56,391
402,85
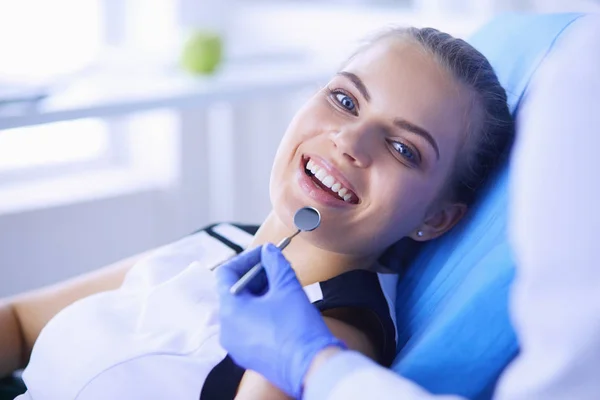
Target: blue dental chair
452,304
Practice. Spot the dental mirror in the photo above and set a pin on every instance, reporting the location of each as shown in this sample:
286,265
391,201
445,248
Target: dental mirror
306,219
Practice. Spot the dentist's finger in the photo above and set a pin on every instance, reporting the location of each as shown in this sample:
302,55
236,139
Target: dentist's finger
278,269
230,272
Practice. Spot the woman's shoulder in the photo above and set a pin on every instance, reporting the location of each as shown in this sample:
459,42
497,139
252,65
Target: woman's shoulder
365,300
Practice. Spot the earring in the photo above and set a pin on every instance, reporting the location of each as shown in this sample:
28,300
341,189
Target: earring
420,233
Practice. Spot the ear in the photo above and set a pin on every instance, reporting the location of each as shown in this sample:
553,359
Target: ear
440,222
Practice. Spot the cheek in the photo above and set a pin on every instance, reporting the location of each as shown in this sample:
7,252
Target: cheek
401,200
306,124
311,121
314,118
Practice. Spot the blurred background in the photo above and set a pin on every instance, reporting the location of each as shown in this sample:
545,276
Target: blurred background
109,146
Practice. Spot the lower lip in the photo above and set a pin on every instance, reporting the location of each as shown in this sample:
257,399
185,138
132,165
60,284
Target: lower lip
314,192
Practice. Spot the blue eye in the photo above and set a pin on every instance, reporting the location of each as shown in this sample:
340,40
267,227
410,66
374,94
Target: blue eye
345,101
405,151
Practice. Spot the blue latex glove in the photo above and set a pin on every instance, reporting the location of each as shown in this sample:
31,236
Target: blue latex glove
276,333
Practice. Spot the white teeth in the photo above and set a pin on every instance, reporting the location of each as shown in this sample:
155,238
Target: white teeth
312,167
328,181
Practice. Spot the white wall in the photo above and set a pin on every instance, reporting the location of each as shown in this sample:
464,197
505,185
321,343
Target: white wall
47,245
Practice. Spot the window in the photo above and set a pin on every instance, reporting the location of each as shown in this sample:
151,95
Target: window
43,39
42,43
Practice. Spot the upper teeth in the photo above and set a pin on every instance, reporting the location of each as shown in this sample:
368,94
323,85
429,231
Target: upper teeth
328,180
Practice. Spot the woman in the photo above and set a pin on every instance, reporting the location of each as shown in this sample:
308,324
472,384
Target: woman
396,145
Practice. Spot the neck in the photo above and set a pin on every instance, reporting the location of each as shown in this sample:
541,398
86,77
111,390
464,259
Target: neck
311,263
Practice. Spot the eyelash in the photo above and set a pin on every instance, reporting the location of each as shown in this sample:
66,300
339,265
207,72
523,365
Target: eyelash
333,93
416,157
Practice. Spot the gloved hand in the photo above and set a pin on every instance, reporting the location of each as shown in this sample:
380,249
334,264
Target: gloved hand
276,333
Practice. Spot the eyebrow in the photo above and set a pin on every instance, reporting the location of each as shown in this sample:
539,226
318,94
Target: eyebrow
358,83
408,126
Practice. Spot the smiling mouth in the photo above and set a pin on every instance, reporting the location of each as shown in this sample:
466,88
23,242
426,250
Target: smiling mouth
328,183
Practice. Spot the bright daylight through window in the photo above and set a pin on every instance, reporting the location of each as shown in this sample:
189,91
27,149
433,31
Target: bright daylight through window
41,44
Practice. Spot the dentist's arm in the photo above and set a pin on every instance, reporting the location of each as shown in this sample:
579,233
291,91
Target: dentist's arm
336,375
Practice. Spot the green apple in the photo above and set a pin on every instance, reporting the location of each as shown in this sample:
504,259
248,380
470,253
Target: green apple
202,52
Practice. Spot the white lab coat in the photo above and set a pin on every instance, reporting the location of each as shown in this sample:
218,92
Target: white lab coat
555,227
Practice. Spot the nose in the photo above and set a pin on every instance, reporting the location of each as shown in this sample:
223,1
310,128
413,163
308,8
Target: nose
355,144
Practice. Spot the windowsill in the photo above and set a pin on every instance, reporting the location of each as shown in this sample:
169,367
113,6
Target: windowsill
105,94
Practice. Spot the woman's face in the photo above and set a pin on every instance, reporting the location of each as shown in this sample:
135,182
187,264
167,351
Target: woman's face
373,150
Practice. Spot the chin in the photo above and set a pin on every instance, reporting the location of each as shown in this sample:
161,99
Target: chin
284,207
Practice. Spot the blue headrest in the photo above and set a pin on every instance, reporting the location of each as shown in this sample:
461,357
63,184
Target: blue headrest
454,332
